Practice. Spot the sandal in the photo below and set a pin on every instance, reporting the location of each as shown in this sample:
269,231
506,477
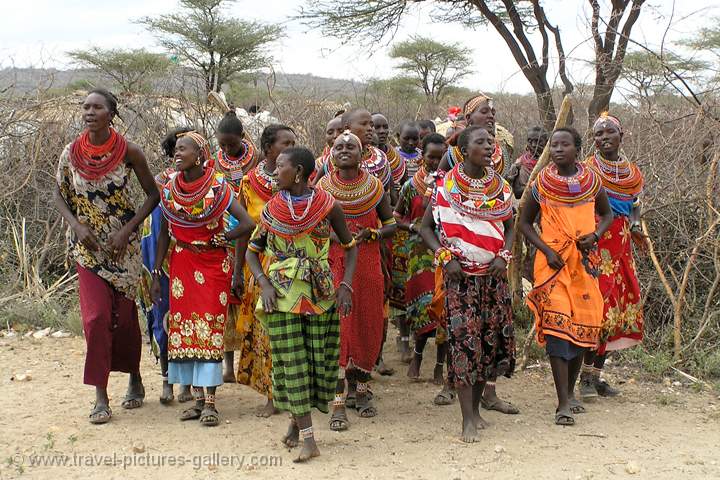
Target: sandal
209,416
576,406
192,413
445,397
564,419
339,421
133,400
366,409
500,406
100,414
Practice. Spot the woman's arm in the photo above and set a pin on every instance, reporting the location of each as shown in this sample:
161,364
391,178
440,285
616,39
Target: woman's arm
602,209
252,257
241,234
119,240
344,293
499,265
527,217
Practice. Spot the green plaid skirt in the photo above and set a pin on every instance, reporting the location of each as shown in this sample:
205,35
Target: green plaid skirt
305,351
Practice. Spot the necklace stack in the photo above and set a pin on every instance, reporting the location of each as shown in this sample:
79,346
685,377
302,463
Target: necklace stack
486,198
398,166
289,217
576,189
93,162
357,196
235,167
262,182
622,180
412,160
419,181
197,202
375,162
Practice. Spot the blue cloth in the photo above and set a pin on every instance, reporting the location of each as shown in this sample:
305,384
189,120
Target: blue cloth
620,208
197,374
155,313
559,347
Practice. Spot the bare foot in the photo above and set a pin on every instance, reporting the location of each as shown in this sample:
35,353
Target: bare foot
469,432
383,369
404,350
292,437
438,376
167,395
414,368
185,394
308,450
267,410
480,422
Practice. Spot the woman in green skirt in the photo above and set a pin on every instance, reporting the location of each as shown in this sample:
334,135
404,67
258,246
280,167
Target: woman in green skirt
299,306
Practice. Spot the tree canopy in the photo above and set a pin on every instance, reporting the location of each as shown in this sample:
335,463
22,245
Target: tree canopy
131,69
205,38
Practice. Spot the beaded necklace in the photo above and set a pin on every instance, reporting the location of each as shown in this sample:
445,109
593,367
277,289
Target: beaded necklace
195,203
498,159
262,183
93,162
486,198
398,165
419,181
622,180
357,196
579,188
235,167
375,161
413,160
290,217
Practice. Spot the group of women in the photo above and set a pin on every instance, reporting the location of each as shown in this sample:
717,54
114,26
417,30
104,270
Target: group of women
298,263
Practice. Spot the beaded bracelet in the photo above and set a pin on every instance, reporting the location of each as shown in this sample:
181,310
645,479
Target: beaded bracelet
389,221
346,285
349,245
443,256
157,272
374,234
505,254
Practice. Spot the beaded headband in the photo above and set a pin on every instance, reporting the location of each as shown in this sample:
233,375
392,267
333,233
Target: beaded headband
474,102
604,119
200,141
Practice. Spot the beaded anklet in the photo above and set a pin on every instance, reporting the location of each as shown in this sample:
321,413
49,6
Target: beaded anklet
306,432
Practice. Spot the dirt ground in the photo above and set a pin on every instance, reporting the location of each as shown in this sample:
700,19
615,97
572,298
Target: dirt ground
653,431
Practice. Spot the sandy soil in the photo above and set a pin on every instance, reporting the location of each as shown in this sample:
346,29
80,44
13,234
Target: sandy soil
653,431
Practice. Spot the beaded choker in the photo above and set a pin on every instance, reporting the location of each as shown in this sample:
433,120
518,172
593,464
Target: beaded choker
622,180
498,160
262,182
235,167
397,165
375,162
195,203
288,216
93,162
419,181
487,198
413,160
358,196
582,187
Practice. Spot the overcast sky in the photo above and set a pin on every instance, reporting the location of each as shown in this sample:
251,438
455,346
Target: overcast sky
39,34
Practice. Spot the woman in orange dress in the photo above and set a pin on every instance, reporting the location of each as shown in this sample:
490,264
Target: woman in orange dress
566,298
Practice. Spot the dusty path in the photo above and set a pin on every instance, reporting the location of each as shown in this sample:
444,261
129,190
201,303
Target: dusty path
650,432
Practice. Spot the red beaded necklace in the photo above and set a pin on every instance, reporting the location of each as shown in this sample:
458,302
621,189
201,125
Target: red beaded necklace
93,162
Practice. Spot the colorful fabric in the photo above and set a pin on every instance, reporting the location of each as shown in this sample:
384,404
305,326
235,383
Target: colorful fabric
469,215
398,270
519,173
361,331
622,312
436,310
195,373
566,303
104,206
198,203
155,313
420,264
110,325
305,360
622,180
299,269
481,339
263,184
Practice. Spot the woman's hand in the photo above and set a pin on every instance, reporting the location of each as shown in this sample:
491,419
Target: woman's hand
86,237
363,235
498,268
155,290
587,242
269,297
237,284
639,239
453,270
118,244
344,300
554,260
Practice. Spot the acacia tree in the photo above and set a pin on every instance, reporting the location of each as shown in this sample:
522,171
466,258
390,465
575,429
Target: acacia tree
433,66
610,49
512,20
131,69
203,37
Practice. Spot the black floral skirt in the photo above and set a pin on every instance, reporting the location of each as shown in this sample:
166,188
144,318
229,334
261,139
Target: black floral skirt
480,329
